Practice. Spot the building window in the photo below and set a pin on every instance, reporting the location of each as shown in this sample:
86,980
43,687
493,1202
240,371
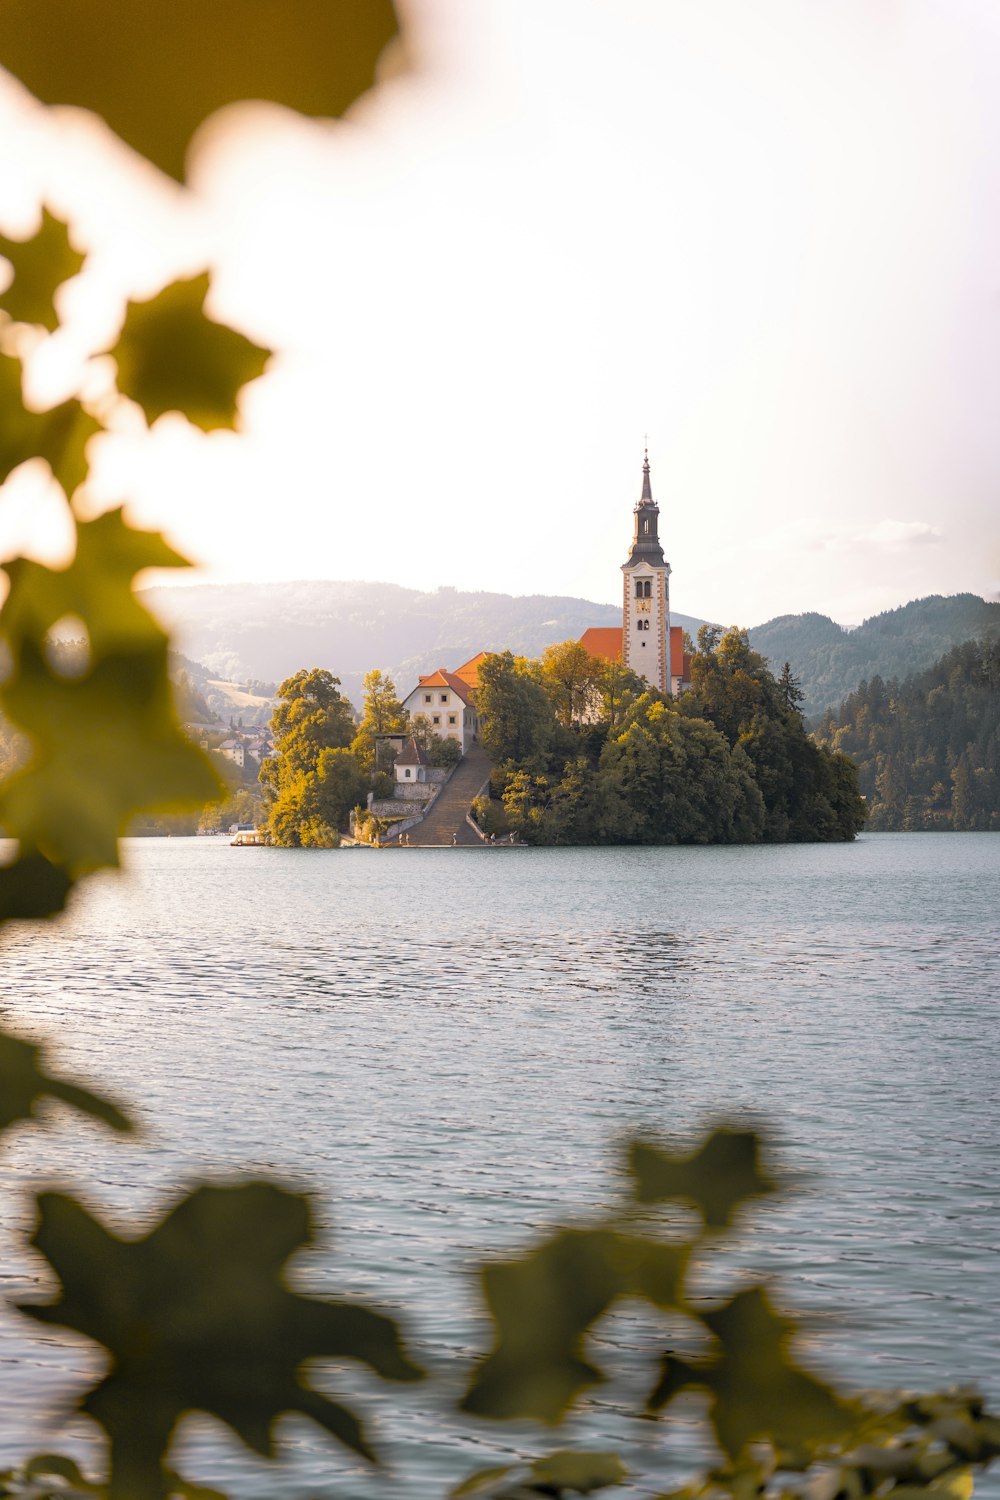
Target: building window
444,697
452,719
428,697
406,771
437,718
647,588
638,588
645,528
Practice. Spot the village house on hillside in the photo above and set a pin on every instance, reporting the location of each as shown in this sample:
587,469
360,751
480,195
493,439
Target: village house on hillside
447,700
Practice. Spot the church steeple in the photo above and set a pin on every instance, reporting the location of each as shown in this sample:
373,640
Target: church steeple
645,542
646,629
647,493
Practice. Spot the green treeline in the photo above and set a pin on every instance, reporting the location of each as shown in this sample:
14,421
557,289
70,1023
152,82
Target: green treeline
326,763
928,749
608,761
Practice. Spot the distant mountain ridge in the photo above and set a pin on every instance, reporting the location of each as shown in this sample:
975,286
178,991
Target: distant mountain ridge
267,631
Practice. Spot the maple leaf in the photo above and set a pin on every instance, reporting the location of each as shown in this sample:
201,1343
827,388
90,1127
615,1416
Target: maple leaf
155,73
40,267
24,1083
196,1316
104,745
59,435
723,1172
756,1389
171,357
545,1303
577,1472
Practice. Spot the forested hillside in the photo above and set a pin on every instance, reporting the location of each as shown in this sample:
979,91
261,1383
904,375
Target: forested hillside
928,749
829,661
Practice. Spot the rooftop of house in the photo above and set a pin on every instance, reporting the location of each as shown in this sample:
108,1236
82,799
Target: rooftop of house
412,755
443,679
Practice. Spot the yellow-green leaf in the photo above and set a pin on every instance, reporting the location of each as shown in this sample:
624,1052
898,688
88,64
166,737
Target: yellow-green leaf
197,1317
717,1178
555,1475
40,266
155,72
757,1391
171,357
24,1083
97,587
104,745
60,435
545,1303
582,1472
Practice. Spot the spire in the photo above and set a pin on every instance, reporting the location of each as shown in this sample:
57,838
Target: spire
647,493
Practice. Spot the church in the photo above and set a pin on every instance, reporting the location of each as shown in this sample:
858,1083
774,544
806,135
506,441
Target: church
647,643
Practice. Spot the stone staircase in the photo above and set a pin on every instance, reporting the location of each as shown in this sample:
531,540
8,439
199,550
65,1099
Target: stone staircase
445,823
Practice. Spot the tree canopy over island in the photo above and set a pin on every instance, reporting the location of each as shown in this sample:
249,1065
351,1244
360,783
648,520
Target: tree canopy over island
591,755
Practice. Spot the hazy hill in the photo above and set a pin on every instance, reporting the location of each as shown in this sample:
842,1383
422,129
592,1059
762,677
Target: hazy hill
254,635
267,631
830,661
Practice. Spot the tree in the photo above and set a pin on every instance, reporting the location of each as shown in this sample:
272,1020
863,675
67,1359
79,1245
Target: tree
382,713
312,780
516,717
571,678
619,687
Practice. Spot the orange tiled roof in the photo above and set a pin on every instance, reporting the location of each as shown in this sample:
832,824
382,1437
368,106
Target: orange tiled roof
469,670
444,679
603,641
413,755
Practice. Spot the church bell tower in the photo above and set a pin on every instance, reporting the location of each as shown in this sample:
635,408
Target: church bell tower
646,632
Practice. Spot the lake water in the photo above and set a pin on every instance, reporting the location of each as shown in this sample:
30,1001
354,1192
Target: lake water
449,1045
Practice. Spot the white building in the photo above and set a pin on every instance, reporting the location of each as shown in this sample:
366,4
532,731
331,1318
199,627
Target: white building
448,701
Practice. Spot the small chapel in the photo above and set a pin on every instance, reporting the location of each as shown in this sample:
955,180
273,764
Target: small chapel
647,643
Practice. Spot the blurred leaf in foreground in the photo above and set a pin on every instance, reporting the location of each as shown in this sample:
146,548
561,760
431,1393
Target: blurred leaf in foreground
543,1306
171,357
40,267
197,1317
60,435
558,1474
51,1476
155,72
104,745
756,1390
24,1084
721,1175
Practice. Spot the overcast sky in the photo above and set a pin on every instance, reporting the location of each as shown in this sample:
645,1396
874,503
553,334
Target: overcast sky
768,235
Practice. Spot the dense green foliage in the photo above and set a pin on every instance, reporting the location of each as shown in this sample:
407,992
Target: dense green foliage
589,755
928,748
313,780
830,661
